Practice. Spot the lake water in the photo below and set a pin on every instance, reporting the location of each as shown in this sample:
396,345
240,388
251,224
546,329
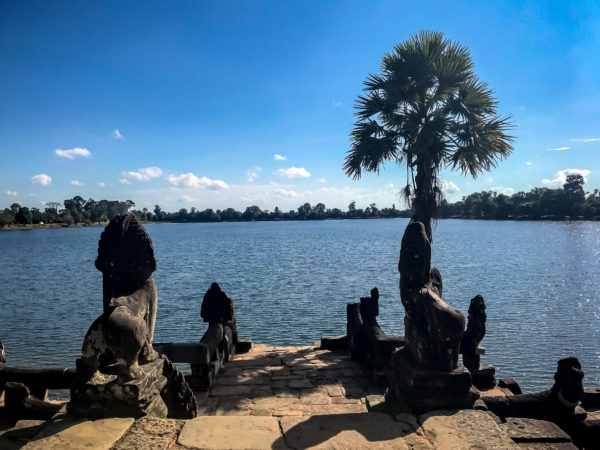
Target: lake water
290,282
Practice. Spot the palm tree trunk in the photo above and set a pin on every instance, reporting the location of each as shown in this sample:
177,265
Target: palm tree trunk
424,202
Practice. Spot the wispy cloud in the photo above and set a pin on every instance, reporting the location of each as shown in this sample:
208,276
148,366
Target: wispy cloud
560,177
124,181
77,183
585,139
322,180
116,134
189,180
101,184
557,149
145,174
503,190
11,193
336,104
253,174
286,193
294,172
42,179
73,153
278,157
528,163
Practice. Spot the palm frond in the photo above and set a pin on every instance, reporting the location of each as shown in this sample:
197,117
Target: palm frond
372,145
481,146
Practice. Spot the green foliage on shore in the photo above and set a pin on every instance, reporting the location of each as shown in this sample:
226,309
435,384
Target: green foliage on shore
570,201
538,204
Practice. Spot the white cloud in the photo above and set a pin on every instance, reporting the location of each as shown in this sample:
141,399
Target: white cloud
448,187
336,104
490,180
503,190
101,184
11,193
560,177
585,139
286,193
558,149
77,183
73,153
278,157
42,179
322,180
253,174
189,180
190,199
528,163
124,181
294,172
116,134
145,174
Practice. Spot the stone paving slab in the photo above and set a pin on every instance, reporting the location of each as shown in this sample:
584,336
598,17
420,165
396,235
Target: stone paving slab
350,431
533,430
150,433
464,429
66,434
222,432
288,381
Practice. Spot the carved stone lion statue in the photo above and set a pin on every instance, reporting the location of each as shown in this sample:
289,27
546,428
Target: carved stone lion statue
123,332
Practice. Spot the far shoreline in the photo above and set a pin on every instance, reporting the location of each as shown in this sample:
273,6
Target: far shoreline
30,226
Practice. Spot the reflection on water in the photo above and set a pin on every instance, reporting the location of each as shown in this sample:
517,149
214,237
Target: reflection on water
290,282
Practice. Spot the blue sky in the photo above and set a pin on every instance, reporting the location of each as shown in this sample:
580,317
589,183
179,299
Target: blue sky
204,95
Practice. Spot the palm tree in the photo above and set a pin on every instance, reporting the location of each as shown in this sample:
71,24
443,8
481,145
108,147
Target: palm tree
427,109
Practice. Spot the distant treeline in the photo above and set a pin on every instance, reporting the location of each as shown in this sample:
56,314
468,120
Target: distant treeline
78,210
570,201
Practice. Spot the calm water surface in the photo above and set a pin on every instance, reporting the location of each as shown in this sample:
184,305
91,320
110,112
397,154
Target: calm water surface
290,282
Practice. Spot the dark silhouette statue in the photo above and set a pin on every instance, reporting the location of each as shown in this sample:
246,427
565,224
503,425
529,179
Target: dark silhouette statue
433,330
123,333
425,374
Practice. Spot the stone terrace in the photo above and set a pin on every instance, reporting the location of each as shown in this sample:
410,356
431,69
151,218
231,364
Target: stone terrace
288,397
288,381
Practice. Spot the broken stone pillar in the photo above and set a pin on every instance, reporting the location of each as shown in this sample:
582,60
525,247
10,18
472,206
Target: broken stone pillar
562,404
482,374
119,374
377,346
425,374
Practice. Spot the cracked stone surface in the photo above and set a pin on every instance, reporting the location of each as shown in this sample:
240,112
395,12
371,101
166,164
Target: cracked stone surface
283,397
288,381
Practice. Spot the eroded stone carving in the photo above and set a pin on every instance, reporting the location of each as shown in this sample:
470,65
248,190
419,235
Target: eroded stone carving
377,346
425,374
220,337
119,373
482,374
561,404
433,330
123,333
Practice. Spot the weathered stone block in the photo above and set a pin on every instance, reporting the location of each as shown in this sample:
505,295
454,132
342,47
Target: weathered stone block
134,398
225,433
68,434
464,429
533,430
